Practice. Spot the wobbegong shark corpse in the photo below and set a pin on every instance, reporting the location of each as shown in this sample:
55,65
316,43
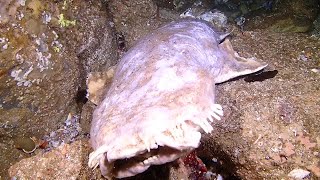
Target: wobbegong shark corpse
162,97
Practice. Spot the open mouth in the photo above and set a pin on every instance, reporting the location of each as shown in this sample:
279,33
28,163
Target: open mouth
127,167
125,159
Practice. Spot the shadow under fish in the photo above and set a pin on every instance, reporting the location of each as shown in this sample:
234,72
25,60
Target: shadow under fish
261,76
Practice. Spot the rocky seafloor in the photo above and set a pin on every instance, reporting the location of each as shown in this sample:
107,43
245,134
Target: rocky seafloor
271,126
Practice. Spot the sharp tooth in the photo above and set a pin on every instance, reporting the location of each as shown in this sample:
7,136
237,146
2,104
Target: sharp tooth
217,111
147,145
210,118
149,160
209,127
218,106
216,116
146,161
145,142
204,124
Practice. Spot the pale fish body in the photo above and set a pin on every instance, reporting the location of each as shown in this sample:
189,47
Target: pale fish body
162,97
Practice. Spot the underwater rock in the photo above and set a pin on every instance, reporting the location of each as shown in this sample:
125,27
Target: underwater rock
35,95
178,5
8,10
134,19
46,49
271,126
298,174
64,162
94,41
285,16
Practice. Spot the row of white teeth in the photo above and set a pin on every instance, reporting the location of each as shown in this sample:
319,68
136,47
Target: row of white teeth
150,160
217,111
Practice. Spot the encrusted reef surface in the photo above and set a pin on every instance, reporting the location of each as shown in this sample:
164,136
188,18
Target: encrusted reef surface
34,92
270,128
46,48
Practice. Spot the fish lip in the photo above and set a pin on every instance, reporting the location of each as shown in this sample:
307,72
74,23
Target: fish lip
139,163
120,165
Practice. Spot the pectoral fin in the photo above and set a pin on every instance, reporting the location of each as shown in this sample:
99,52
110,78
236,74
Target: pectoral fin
234,65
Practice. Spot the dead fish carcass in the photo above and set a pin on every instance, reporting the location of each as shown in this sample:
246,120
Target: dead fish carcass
162,97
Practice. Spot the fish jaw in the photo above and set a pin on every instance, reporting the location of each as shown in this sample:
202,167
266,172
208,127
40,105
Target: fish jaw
128,139
122,160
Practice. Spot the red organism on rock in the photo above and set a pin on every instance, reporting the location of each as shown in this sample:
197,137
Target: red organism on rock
197,167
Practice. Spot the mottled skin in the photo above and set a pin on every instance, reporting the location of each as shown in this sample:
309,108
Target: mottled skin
162,97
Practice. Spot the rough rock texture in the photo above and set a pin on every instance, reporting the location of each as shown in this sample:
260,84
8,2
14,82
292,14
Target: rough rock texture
34,93
46,49
271,127
285,16
179,5
94,39
86,116
316,27
134,19
278,16
62,163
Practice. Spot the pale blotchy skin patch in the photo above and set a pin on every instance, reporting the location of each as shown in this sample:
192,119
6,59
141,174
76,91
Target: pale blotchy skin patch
161,97
98,83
